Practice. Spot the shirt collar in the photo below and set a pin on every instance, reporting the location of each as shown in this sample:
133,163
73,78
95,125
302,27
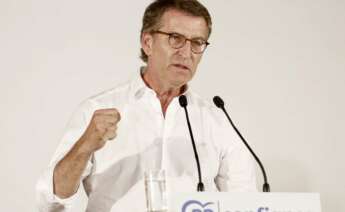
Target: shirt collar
139,87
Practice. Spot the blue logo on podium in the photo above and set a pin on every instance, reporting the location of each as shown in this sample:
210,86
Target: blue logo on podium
196,206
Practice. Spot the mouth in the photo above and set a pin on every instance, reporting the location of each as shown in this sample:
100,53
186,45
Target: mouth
181,66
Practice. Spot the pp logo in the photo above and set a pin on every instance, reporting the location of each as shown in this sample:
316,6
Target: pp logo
196,206
263,209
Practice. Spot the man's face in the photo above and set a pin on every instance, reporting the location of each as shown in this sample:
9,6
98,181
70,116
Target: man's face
174,67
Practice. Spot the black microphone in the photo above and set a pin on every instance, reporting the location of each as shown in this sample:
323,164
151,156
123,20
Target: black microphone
183,102
220,103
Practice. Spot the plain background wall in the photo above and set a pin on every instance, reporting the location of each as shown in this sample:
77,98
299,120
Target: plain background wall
278,64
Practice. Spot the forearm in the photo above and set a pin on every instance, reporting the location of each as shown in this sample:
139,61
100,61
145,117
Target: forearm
68,171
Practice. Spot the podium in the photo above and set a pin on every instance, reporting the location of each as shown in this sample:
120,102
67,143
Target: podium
243,202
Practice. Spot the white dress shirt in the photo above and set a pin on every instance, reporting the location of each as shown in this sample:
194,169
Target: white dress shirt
146,140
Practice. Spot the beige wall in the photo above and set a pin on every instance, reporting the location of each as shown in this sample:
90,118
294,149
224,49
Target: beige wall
278,64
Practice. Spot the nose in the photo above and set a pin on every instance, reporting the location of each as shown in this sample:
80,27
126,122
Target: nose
186,50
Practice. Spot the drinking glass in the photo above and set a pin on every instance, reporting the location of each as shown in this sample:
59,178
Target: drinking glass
155,188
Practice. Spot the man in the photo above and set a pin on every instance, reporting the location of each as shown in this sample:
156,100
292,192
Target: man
118,135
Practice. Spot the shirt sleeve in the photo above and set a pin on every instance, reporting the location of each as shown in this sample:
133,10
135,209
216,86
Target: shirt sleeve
47,201
236,171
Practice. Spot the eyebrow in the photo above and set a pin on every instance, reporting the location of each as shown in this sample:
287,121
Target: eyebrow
192,38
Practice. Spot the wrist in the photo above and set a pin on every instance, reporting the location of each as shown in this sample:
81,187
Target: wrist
83,147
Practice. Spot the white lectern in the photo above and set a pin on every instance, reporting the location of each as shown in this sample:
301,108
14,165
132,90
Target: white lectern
244,202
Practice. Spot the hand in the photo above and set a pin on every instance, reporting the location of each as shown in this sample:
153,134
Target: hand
102,128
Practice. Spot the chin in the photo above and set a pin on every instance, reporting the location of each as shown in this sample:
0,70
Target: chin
180,77
179,82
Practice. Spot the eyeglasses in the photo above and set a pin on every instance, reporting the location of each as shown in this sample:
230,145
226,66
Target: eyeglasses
176,41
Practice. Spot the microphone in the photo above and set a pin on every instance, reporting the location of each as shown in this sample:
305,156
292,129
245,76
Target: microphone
183,103
220,103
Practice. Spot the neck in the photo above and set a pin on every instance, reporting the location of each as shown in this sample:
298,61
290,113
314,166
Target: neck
165,92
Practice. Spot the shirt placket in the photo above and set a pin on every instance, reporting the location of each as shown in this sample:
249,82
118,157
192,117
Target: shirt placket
167,131
157,119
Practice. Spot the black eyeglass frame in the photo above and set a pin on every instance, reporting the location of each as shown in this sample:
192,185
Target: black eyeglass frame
171,34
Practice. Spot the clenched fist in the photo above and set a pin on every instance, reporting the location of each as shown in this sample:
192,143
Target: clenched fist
102,128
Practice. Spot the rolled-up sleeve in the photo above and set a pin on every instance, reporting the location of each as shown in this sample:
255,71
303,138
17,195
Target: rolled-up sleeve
47,201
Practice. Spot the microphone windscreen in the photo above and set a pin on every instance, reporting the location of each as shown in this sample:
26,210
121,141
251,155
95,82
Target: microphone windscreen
218,101
183,100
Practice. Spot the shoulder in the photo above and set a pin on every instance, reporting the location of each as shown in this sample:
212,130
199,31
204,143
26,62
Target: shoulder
113,94
115,97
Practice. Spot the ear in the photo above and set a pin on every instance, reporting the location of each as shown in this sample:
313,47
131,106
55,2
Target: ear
146,43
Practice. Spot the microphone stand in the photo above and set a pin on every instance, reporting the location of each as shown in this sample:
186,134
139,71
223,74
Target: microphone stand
220,103
183,103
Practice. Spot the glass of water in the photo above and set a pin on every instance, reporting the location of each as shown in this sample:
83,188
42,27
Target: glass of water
155,188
